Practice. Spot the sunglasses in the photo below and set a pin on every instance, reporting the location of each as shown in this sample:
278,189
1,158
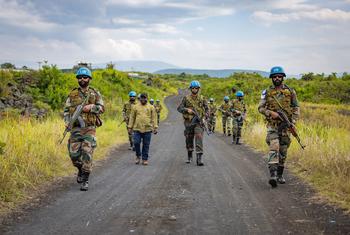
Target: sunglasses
194,88
277,76
83,77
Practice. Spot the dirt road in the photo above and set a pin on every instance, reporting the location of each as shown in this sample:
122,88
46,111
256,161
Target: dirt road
229,195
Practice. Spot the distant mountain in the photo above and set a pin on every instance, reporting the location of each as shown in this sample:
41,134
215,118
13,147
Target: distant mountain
148,66
220,73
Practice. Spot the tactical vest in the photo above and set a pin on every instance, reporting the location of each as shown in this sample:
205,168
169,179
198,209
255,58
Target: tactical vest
157,107
284,96
196,104
76,98
238,105
127,108
212,108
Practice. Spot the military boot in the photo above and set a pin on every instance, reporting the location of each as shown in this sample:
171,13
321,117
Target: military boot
280,178
237,141
199,159
79,176
229,133
273,176
224,132
233,139
85,184
189,157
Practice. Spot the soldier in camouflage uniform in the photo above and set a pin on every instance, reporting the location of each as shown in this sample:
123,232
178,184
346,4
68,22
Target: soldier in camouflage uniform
238,110
159,108
278,136
126,115
212,115
82,141
225,109
193,130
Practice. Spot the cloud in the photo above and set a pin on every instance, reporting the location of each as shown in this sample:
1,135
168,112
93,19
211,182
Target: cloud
22,16
323,14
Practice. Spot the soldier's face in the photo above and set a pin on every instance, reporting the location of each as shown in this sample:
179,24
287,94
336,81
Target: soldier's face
143,100
132,98
83,81
277,79
194,90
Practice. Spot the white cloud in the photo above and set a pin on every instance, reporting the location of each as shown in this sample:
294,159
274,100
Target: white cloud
323,14
135,3
126,21
293,5
13,13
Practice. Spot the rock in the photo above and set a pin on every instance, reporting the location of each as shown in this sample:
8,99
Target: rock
172,218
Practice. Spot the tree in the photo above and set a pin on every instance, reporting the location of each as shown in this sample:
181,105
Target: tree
110,65
7,65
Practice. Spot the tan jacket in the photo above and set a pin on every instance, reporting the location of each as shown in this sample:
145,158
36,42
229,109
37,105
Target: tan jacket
143,118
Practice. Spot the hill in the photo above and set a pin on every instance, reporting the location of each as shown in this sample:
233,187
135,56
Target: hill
219,73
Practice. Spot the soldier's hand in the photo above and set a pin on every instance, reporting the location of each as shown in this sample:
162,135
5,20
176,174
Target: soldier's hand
155,131
190,111
238,112
274,115
87,108
130,131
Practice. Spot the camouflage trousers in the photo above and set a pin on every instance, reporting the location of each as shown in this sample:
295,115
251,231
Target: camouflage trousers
237,124
81,146
212,122
279,142
131,140
158,118
226,123
194,132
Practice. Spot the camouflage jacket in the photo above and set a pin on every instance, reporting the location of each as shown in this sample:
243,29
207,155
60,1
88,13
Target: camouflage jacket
75,98
212,109
158,108
143,118
225,109
287,98
127,110
198,103
238,105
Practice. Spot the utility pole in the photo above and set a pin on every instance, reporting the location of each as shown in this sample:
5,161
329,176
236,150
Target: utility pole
39,63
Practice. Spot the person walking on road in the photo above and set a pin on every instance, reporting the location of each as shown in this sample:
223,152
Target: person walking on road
238,110
194,107
278,134
82,141
226,115
126,115
212,115
158,108
143,121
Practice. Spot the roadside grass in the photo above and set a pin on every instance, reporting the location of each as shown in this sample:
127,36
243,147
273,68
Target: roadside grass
325,162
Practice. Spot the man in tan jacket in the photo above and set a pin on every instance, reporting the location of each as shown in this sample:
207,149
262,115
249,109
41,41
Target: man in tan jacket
143,121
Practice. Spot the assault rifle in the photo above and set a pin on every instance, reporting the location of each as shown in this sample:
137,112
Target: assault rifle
291,127
121,123
202,121
76,116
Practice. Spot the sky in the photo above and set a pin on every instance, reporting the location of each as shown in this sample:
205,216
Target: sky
300,35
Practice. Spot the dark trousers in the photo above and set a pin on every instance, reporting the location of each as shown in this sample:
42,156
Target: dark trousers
145,138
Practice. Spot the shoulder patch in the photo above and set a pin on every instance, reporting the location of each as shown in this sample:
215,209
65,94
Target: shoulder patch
263,94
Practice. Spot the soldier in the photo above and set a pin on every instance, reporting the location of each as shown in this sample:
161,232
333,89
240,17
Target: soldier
159,108
192,105
212,115
143,121
82,141
226,115
238,110
151,101
126,115
278,135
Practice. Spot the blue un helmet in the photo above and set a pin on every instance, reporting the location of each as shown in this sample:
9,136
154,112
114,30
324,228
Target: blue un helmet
132,94
211,100
195,84
239,94
226,98
83,71
277,70
151,101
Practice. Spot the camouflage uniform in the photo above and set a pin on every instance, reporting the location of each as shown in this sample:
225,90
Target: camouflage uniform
212,116
82,141
126,116
226,117
237,120
158,108
278,136
193,130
